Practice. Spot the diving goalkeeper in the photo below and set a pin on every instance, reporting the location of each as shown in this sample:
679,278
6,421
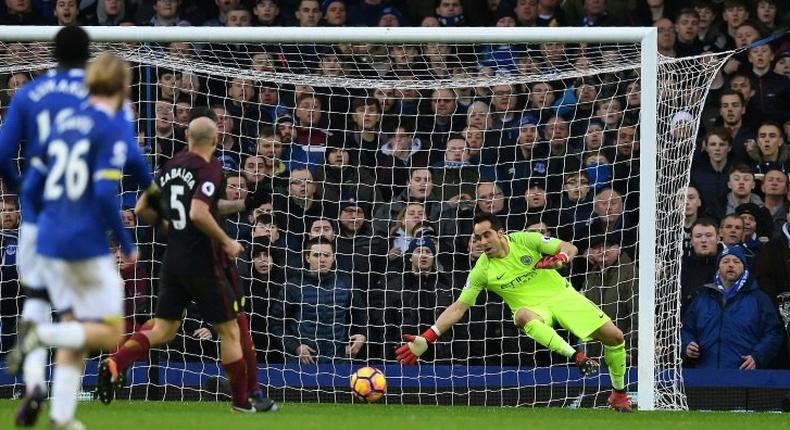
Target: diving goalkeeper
521,268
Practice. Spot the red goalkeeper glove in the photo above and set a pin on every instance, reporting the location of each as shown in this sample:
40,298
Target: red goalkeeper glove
552,261
415,346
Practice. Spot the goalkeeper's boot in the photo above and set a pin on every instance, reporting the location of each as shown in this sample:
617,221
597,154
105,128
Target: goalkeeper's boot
71,425
27,341
27,413
586,365
619,401
110,379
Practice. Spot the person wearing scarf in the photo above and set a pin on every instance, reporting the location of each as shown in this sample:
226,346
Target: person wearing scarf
731,323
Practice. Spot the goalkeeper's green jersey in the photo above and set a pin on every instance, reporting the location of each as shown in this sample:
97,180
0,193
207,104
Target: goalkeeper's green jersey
514,276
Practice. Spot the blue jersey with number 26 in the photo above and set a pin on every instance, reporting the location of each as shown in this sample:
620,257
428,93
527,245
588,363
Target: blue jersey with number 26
79,172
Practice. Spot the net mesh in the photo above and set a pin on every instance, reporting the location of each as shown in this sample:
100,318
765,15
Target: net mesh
544,135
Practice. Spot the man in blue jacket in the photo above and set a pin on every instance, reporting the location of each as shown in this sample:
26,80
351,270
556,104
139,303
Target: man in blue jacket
731,323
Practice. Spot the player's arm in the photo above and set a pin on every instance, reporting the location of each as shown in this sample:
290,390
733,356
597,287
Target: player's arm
201,216
252,201
149,210
415,346
106,178
33,189
557,252
10,134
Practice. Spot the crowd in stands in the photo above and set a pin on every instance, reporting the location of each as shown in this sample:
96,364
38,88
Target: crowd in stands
367,234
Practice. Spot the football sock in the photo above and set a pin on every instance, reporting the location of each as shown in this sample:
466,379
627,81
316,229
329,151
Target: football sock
548,337
69,334
614,356
237,373
250,357
37,311
65,385
34,368
135,348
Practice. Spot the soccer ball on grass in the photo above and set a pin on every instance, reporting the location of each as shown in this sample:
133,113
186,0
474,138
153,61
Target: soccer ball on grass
368,384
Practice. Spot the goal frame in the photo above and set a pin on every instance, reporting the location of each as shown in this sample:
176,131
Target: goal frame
647,37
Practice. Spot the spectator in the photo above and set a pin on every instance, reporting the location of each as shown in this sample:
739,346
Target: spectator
21,12
735,13
732,108
711,166
334,12
319,316
342,176
596,15
264,286
782,63
229,149
710,33
491,200
599,170
308,13
699,265
450,13
137,291
272,172
771,267
772,91
756,227
770,149
397,156
66,12
504,118
775,191
687,42
610,219
365,13
612,284
625,165
531,159
237,225
166,14
576,205
294,212
442,119
454,176
405,302
691,213
666,37
731,230
767,14
365,129
741,184
357,244
308,148
9,279
536,204
731,323
267,13
420,188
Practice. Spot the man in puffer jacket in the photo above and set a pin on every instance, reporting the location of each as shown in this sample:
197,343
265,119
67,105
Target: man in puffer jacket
731,323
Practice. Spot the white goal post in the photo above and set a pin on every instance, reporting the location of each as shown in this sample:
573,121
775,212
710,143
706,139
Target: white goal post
659,379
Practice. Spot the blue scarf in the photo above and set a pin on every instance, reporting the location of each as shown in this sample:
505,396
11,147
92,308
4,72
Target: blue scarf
740,282
451,21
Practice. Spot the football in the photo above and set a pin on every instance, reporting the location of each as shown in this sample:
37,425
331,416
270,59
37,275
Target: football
368,384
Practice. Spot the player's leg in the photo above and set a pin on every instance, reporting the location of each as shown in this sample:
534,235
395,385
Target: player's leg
66,383
615,357
217,301
537,324
250,356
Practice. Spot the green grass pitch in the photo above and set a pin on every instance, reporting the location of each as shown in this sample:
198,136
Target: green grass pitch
137,415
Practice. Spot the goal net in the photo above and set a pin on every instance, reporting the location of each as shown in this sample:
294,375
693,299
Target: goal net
389,150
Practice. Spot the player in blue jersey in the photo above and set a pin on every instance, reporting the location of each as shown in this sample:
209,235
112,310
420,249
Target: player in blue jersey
73,186
28,125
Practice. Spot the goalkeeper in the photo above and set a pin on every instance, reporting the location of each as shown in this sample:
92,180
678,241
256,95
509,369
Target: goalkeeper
520,267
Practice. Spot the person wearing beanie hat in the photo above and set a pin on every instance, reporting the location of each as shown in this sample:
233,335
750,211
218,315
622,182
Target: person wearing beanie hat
335,12
731,323
391,17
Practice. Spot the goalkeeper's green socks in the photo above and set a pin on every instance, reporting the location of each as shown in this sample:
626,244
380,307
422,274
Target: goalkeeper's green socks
546,336
614,356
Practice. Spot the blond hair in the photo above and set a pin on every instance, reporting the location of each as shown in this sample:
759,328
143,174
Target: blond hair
108,75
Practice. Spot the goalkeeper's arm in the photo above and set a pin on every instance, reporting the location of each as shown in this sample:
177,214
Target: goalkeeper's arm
415,346
564,254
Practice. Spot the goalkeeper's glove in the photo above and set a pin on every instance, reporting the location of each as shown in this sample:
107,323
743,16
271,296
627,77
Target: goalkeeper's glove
256,198
416,346
553,261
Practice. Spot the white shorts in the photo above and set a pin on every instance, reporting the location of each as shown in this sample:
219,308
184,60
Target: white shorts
92,289
28,261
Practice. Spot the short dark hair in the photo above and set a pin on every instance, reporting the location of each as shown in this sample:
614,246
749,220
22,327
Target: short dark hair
496,224
731,92
705,222
365,101
741,168
317,241
771,124
202,111
266,131
72,47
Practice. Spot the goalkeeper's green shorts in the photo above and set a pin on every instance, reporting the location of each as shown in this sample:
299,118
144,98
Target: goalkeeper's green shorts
573,312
